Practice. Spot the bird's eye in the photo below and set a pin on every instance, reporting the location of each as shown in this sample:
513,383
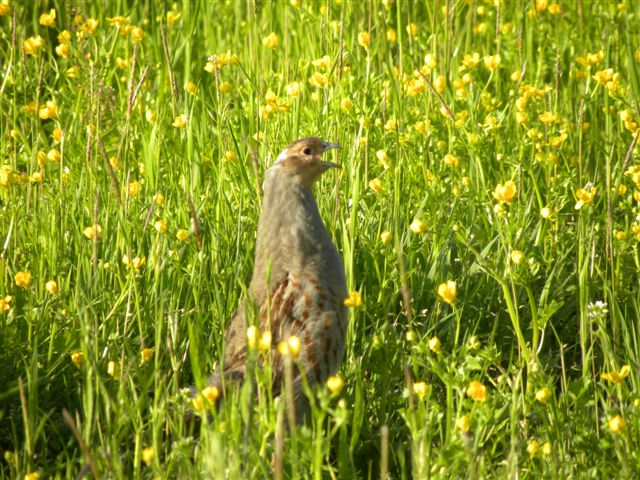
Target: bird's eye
307,151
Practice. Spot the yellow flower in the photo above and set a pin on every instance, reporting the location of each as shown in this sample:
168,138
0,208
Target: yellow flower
585,196
137,34
182,234
77,358
32,476
295,3
434,344
158,198
52,287
604,76
517,256
548,118
36,177
5,8
32,45
293,89
160,226
225,87
492,62
191,88
470,61
617,377
323,63
206,398
134,264
134,188
264,343
451,160
346,104
392,35
172,17
375,184
89,27
364,39
23,279
412,29
383,158
148,454
391,125
112,369
385,237
532,448
93,231
271,41
448,291
54,155
318,80
48,19
477,391
335,383
151,116
420,389
252,336
418,226
545,212
180,121
146,354
463,423
354,300
505,193
294,345
62,50
56,135
543,394
49,110
617,424
5,303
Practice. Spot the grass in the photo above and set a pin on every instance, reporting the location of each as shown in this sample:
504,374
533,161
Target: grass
545,314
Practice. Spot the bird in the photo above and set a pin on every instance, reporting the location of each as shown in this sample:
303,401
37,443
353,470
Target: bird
298,286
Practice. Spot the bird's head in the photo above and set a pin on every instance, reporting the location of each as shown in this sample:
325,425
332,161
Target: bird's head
303,159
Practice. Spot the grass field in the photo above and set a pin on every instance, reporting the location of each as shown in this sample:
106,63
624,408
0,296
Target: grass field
487,212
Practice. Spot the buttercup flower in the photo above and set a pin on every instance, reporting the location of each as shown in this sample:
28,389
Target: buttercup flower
23,279
146,354
585,196
477,391
271,41
420,389
617,377
505,193
448,291
463,423
434,344
77,358
385,237
354,300
543,395
52,287
148,454
335,383
617,424
418,226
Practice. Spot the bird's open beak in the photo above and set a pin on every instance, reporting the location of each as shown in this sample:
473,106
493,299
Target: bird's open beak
329,146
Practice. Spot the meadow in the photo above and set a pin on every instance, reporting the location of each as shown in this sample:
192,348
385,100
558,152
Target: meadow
487,212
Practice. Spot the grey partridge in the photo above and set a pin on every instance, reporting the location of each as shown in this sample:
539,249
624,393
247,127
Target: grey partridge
298,285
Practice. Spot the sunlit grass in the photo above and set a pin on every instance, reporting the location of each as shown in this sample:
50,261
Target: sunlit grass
486,212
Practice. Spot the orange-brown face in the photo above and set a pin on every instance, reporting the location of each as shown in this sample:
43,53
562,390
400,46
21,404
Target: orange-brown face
303,159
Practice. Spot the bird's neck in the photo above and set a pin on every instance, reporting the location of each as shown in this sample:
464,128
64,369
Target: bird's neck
290,228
